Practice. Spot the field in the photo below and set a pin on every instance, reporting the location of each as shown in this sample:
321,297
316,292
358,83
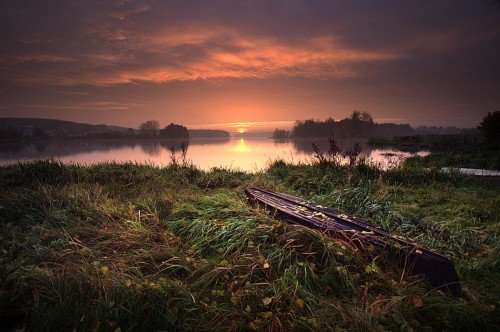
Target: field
117,247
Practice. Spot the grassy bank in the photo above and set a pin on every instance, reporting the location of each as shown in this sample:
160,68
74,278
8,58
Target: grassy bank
469,142
137,247
461,150
478,159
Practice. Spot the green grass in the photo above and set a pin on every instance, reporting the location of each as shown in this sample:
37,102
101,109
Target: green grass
477,159
462,150
138,247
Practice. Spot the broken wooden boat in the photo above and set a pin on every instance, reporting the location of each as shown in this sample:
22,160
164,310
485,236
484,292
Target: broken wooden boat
437,269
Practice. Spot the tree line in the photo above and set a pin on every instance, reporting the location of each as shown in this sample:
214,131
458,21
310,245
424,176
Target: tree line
152,128
358,125
37,128
361,125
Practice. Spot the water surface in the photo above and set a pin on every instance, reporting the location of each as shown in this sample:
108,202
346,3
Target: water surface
246,154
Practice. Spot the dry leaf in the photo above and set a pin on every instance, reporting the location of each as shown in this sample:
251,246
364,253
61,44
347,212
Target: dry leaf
299,303
417,302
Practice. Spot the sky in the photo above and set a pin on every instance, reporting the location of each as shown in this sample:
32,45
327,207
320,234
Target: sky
255,64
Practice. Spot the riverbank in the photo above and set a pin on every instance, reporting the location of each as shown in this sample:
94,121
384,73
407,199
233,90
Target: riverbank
140,247
457,151
452,142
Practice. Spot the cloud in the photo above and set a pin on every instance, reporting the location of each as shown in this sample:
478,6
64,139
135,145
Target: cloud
269,60
79,106
16,59
125,42
204,52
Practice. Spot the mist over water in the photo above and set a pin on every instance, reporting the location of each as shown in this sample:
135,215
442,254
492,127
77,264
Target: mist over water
245,154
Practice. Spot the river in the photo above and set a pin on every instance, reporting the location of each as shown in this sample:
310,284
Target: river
245,154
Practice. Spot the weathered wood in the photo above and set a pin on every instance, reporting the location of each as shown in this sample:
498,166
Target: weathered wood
438,269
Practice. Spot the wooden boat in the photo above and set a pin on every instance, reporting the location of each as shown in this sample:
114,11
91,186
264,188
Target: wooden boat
438,269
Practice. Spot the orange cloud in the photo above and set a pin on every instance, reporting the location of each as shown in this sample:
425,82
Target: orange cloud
222,53
228,54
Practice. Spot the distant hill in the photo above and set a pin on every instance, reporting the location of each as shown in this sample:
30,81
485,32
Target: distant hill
20,127
58,126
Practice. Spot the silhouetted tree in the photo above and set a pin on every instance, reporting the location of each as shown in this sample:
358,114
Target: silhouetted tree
174,131
356,116
149,128
130,132
367,117
280,133
358,125
490,126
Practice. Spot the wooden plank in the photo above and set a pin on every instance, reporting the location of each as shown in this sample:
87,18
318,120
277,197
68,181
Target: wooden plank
438,269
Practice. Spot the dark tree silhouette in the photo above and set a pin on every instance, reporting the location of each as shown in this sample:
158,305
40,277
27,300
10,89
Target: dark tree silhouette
356,116
358,125
174,131
281,134
149,128
367,117
490,126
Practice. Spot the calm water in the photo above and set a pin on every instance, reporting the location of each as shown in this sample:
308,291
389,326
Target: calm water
244,154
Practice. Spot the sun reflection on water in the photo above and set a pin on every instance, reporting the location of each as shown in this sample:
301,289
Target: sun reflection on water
242,146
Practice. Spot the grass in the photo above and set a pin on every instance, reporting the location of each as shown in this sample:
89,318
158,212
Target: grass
473,159
137,247
461,150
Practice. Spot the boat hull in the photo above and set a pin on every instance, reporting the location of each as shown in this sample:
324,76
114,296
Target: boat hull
437,269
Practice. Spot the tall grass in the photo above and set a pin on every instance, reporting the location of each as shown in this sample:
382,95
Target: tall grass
138,247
